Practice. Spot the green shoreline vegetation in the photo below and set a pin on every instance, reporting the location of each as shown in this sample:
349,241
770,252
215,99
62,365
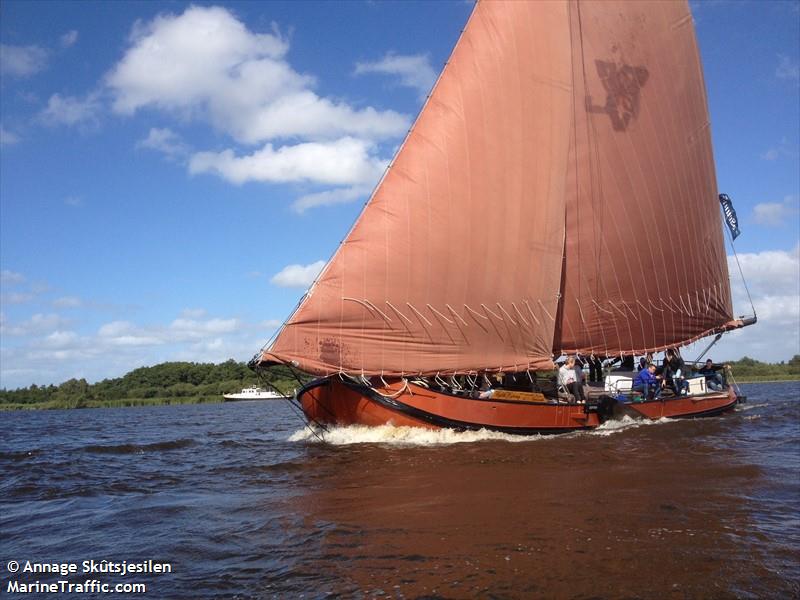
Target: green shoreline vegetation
166,383
199,383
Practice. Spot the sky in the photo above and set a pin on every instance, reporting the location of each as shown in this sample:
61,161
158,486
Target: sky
173,175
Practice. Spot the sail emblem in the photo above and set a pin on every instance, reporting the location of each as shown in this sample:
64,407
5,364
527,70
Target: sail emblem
622,84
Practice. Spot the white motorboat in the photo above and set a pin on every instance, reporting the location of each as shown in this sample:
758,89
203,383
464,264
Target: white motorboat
254,393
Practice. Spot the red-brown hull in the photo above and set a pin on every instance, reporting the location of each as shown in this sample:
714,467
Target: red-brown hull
333,401
686,407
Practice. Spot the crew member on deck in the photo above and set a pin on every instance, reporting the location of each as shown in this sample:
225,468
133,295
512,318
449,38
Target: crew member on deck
569,378
595,368
647,382
675,372
713,378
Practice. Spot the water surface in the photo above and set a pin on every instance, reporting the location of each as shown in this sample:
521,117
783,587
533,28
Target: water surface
244,502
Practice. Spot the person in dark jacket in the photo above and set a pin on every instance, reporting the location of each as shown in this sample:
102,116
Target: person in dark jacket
713,378
675,373
646,382
595,368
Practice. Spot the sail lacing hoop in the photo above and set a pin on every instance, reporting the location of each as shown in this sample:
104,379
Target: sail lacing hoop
619,310
436,312
496,316
400,391
419,314
476,313
674,306
379,311
399,314
505,312
601,308
633,314
688,311
552,318
530,310
456,315
519,314
370,307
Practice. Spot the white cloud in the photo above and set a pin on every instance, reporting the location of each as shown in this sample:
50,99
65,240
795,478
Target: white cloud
329,197
773,277
342,162
69,110
68,39
16,298
75,201
125,333
115,328
7,138
60,339
781,150
38,324
205,64
775,214
769,273
43,350
414,71
771,154
787,68
67,302
194,328
8,277
165,141
22,61
300,276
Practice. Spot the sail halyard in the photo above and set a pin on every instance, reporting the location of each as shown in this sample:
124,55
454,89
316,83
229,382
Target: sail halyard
645,261
454,264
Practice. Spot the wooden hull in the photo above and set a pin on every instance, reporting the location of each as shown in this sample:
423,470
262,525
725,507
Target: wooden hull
708,405
333,401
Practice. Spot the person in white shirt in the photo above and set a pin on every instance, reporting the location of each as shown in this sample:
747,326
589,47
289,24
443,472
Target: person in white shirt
568,377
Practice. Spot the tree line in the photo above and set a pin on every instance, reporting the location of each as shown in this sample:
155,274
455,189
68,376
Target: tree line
749,369
170,380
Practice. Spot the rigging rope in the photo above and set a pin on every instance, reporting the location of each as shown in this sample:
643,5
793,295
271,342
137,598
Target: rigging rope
741,274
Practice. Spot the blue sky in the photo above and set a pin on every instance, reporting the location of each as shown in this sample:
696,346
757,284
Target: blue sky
168,195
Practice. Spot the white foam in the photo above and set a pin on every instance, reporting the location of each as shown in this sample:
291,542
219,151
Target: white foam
627,422
341,435
746,407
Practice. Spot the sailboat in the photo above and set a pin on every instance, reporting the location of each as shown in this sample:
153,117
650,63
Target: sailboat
555,196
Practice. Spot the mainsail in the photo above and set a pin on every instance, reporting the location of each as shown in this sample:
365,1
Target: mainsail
645,264
557,193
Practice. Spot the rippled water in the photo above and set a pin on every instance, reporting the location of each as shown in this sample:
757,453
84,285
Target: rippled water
244,502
